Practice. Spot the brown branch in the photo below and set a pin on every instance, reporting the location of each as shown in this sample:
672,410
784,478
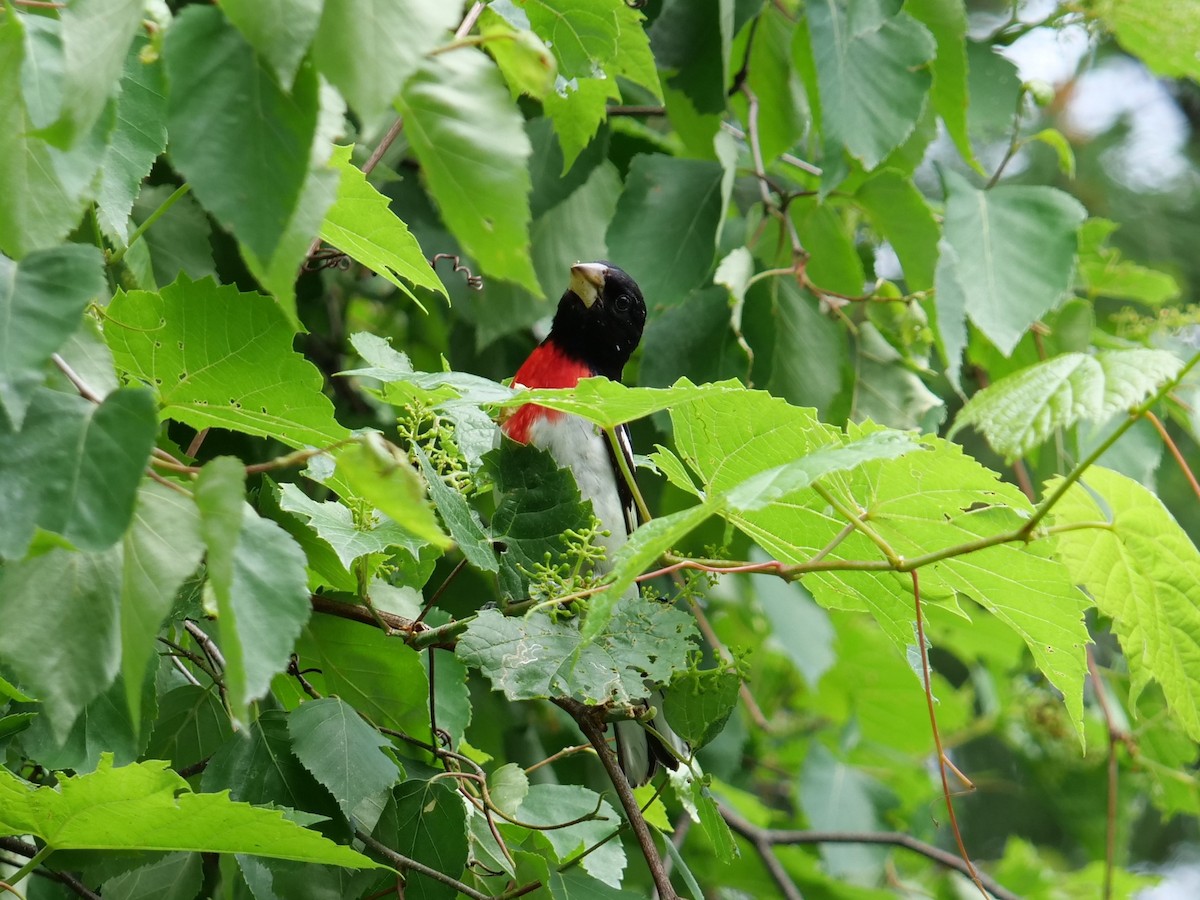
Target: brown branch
27,850
402,862
1174,448
779,837
591,723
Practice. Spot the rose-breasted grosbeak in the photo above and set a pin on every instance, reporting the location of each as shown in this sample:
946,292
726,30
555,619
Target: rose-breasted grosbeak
597,326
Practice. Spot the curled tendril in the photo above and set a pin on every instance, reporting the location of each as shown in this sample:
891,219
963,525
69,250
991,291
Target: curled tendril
327,258
474,282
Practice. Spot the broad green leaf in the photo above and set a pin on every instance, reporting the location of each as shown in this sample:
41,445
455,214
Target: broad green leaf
1143,571
666,195
74,468
215,76
41,300
577,108
582,34
191,725
947,22
342,752
96,35
533,656
549,805
902,217
950,301
45,189
279,30
70,665
527,63
838,797
1022,411
1163,35
389,365
800,627
809,351
537,504
461,520
508,787
369,48
179,243
218,357
379,676
432,822
1015,248
42,69
349,536
473,150
1105,273
714,826
694,38
139,137
258,575
574,229
157,811
887,390
700,703
361,224
873,73
161,548
177,876
388,481
782,104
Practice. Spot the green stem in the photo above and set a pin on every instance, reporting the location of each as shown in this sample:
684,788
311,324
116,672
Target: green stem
37,859
150,220
627,473
846,512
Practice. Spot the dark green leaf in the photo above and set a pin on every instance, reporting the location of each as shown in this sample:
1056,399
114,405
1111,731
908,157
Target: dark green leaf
462,521
902,217
665,195
700,703
191,725
41,301
433,830
550,805
74,468
177,876
947,21
215,76
473,150
838,797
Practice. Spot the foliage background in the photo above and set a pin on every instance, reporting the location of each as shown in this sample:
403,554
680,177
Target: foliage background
863,208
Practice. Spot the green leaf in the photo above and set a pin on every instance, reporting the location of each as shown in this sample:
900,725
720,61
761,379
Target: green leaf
582,34
947,22
1057,141
1015,248
218,357
577,108
574,229
713,823
887,389
838,797
782,105
138,139
74,468
157,811
508,787
695,37
179,243
1143,571
258,575
537,504
473,151
215,76
534,656
873,73
379,676
361,224
902,217
96,35
1023,410
350,537
950,301
280,30
44,188
161,548
462,521
1104,273
379,475
433,830
191,725
177,876
1163,35
527,63
342,752
666,195
549,805
700,703
369,48
41,301
70,665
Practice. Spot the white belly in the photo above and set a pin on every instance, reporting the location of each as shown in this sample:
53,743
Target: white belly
578,445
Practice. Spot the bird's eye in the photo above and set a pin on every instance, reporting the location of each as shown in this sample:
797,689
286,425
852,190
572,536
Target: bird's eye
621,303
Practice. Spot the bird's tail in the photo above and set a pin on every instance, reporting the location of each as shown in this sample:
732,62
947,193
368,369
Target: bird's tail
640,753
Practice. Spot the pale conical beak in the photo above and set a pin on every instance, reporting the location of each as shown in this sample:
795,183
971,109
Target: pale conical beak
587,281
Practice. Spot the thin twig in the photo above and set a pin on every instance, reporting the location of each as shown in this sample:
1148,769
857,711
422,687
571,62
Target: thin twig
402,862
1171,445
80,385
206,644
150,220
1115,736
555,757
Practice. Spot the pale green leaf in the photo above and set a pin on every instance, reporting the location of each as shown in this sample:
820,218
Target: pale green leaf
96,35
361,224
527,63
950,301
1104,272
342,752
837,797
41,301
280,30
1022,411
350,537
1163,35
177,876
873,73
534,656
1143,571
1057,141
508,787
157,811
1015,248
218,357
379,474
473,151
549,805
947,22
577,108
